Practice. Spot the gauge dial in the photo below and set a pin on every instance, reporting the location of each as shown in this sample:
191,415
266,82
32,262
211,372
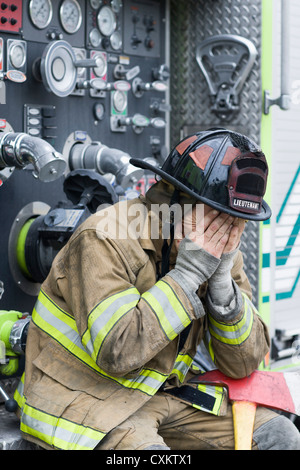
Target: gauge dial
70,16
95,4
40,12
107,22
95,37
120,101
101,68
116,40
99,111
17,56
116,5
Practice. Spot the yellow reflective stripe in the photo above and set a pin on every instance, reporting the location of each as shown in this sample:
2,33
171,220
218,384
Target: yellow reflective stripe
214,391
236,333
51,319
58,432
148,381
102,319
171,314
211,350
19,392
182,364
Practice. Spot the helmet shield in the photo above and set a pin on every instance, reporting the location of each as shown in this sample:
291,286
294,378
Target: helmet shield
247,183
220,168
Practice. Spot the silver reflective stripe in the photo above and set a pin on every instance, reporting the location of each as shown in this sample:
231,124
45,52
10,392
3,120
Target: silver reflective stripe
59,325
104,316
62,328
169,310
57,431
150,381
182,366
235,333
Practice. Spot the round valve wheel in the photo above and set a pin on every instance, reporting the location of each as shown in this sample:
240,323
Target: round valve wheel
58,70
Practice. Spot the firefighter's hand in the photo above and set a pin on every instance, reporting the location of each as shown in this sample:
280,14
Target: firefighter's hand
236,232
209,229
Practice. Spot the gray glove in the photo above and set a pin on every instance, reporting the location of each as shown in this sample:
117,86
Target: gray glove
194,266
224,297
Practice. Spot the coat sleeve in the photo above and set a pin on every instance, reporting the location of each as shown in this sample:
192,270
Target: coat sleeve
120,328
238,347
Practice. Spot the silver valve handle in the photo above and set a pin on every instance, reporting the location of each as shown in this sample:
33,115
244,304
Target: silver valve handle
120,72
100,85
10,403
96,62
156,85
139,122
139,87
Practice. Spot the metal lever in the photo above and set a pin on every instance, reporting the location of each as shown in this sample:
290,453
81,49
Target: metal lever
100,85
138,123
219,58
10,404
87,63
139,87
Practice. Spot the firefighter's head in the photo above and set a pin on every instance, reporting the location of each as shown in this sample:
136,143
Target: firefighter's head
220,168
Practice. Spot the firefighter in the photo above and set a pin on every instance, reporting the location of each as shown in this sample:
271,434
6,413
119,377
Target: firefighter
140,299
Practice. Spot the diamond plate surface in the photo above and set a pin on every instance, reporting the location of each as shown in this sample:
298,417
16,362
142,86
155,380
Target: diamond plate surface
191,22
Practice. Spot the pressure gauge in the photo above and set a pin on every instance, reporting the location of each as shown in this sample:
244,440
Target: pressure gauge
40,12
101,68
17,55
95,37
119,100
116,5
107,22
99,111
116,41
70,16
95,4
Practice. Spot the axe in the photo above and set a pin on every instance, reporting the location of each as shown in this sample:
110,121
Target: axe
277,390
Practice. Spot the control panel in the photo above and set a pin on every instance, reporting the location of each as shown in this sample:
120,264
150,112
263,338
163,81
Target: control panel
88,77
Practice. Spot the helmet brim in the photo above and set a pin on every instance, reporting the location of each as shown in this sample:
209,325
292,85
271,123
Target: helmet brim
264,214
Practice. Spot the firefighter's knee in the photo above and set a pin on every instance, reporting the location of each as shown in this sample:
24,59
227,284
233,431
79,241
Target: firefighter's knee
277,434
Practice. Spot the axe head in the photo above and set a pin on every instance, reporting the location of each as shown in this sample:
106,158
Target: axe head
278,390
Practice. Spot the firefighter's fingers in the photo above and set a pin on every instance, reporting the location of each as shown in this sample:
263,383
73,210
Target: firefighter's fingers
220,246
198,219
198,234
235,235
218,227
220,238
196,222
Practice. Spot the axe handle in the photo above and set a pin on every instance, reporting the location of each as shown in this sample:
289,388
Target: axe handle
243,423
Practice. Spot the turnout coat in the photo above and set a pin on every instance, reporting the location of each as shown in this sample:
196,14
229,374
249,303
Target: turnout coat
105,332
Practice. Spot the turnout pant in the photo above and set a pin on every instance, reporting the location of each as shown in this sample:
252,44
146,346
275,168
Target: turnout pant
166,423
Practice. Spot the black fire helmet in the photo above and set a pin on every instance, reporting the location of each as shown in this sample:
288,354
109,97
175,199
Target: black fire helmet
221,168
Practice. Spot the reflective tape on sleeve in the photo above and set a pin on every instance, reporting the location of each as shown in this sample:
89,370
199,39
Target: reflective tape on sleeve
233,334
103,318
171,314
61,326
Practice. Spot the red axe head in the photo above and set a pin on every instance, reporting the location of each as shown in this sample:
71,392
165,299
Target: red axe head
278,390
